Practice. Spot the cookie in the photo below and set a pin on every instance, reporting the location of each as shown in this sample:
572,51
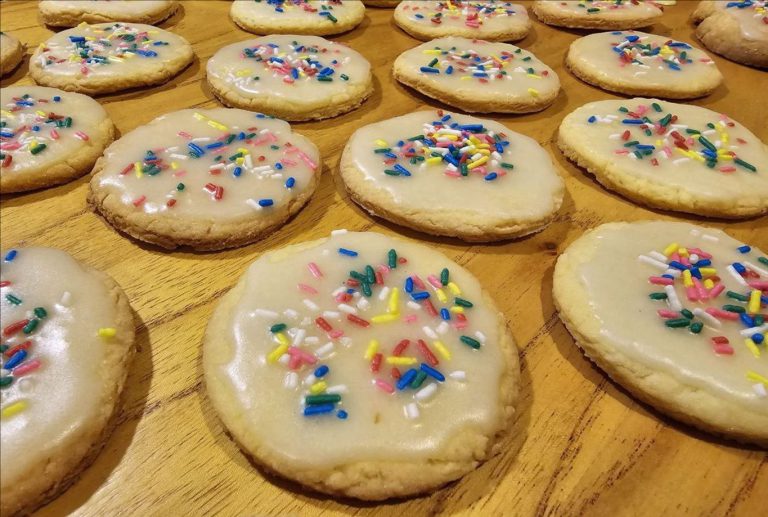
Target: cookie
68,13
736,30
453,175
478,76
290,77
388,354
637,63
67,344
381,3
318,17
11,53
207,179
674,313
109,57
670,156
598,14
48,136
491,20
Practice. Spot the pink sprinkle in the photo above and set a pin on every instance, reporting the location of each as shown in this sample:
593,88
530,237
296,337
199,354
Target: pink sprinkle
335,334
727,168
307,289
715,291
762,285
660,280
418,282
723,349
306,159
26,368
294,363
179,174
314,270
721,314
702,292
621,151
668,314
452,174
700,253
384,386
54,134
139,201
411,318
459,325
184,134
81,136
692,294
668,151
434,281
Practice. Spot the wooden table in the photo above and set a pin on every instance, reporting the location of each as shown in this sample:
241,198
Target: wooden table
581,444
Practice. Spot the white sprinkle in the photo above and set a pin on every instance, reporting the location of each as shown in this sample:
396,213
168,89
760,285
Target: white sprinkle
310,379
324,350
383,293
312,340
4,372
339,388
339,232
693,258
331,314
674,272
290,313
253,204
443,327
695,232
711,238
676,162
480,336
652,262
429,332
411,411
363,304
658,256
459,375
343,307
298,338
736,276
756,269
264,313
760,389
338,291
306,321
674,301
284,360
754,330
65,298
426,392
291,380
309,304
707,317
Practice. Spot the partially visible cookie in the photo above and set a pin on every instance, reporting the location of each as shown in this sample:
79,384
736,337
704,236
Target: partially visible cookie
598,14
381,3
674,313
492,20
638,63
109,57
670,156
206,179
316,17
736,30
67,344
48,136
390,356
290,77
11,53
68,13
478,76
454,175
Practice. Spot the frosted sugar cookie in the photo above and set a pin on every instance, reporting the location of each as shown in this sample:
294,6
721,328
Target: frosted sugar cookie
388,354
290,77
638,63
11,53
109,57
670,156
208,179
48,136
598,14
736,30
66,345
675,313
454,175
68,13
478,76
318,17
491,20
381,3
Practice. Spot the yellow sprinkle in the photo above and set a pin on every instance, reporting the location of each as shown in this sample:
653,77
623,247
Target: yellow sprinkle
457,309
466,77
393,304
753,307
533,76
433,52
402,361
534,92
282,338
708,283
687,280
198,116
756,377
454,289
434,160
14,409
381,143
477,163
752,347
217,125
474,140
443,351
682,251
275,354
7,113
137,169
240,160
107,333
385,318
373,346
669,250
318,387
41,46
174,165
708,271
441,295
40,113
243,72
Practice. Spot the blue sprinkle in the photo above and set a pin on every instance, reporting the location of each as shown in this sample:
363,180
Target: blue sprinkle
326,71
633,38
739,268
490,177
342,414
11,255
321,370
592,119
667,276
445,314
279,166
237,171
704,263
445,118
15,359
432,372
409,285
294,73
475,128
266,202
696,273
241,135
77,39
429,70
747,320
318,409
196,149
677,265
402,170
449,70
214,145
744,249
406,379
290,182
57,99
423,295
633,121
758,338
349,253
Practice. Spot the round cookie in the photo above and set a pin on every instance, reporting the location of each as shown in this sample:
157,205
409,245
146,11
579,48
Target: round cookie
67,343
736,30
207,179
492,20
683,332
381,3
109,57
454,175
318,17
670,156
598,14
637,63
290,77
11,53
48,136
388,354
68,13
478,76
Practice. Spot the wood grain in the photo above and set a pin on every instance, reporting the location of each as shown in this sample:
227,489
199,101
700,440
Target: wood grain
581,445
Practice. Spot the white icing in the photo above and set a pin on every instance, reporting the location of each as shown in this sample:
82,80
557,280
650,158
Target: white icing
112,8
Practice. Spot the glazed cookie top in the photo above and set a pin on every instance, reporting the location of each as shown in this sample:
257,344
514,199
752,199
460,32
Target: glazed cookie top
292,68
58,320
379,349
751,15
109,50
436,161
637,57
607,9
287,13
481,16
219,164
691,303
42,126
118,10
688,148
480,68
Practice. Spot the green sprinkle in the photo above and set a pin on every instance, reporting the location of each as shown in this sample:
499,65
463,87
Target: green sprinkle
444,276
759,319
432,63
38,149
180,187
658,296
359,277
737,296
630,144
656,107
392,259
507,165
667,118
13,299
391,172
344,77
688,314
8,380
474,343
696,327
464,169
3,348
734,308
678,323
325,78
370,274
418,380
706,143
31,326
366,289
461,302
326,398
382,150
744,164
763,260
278,327
40,312
230,138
